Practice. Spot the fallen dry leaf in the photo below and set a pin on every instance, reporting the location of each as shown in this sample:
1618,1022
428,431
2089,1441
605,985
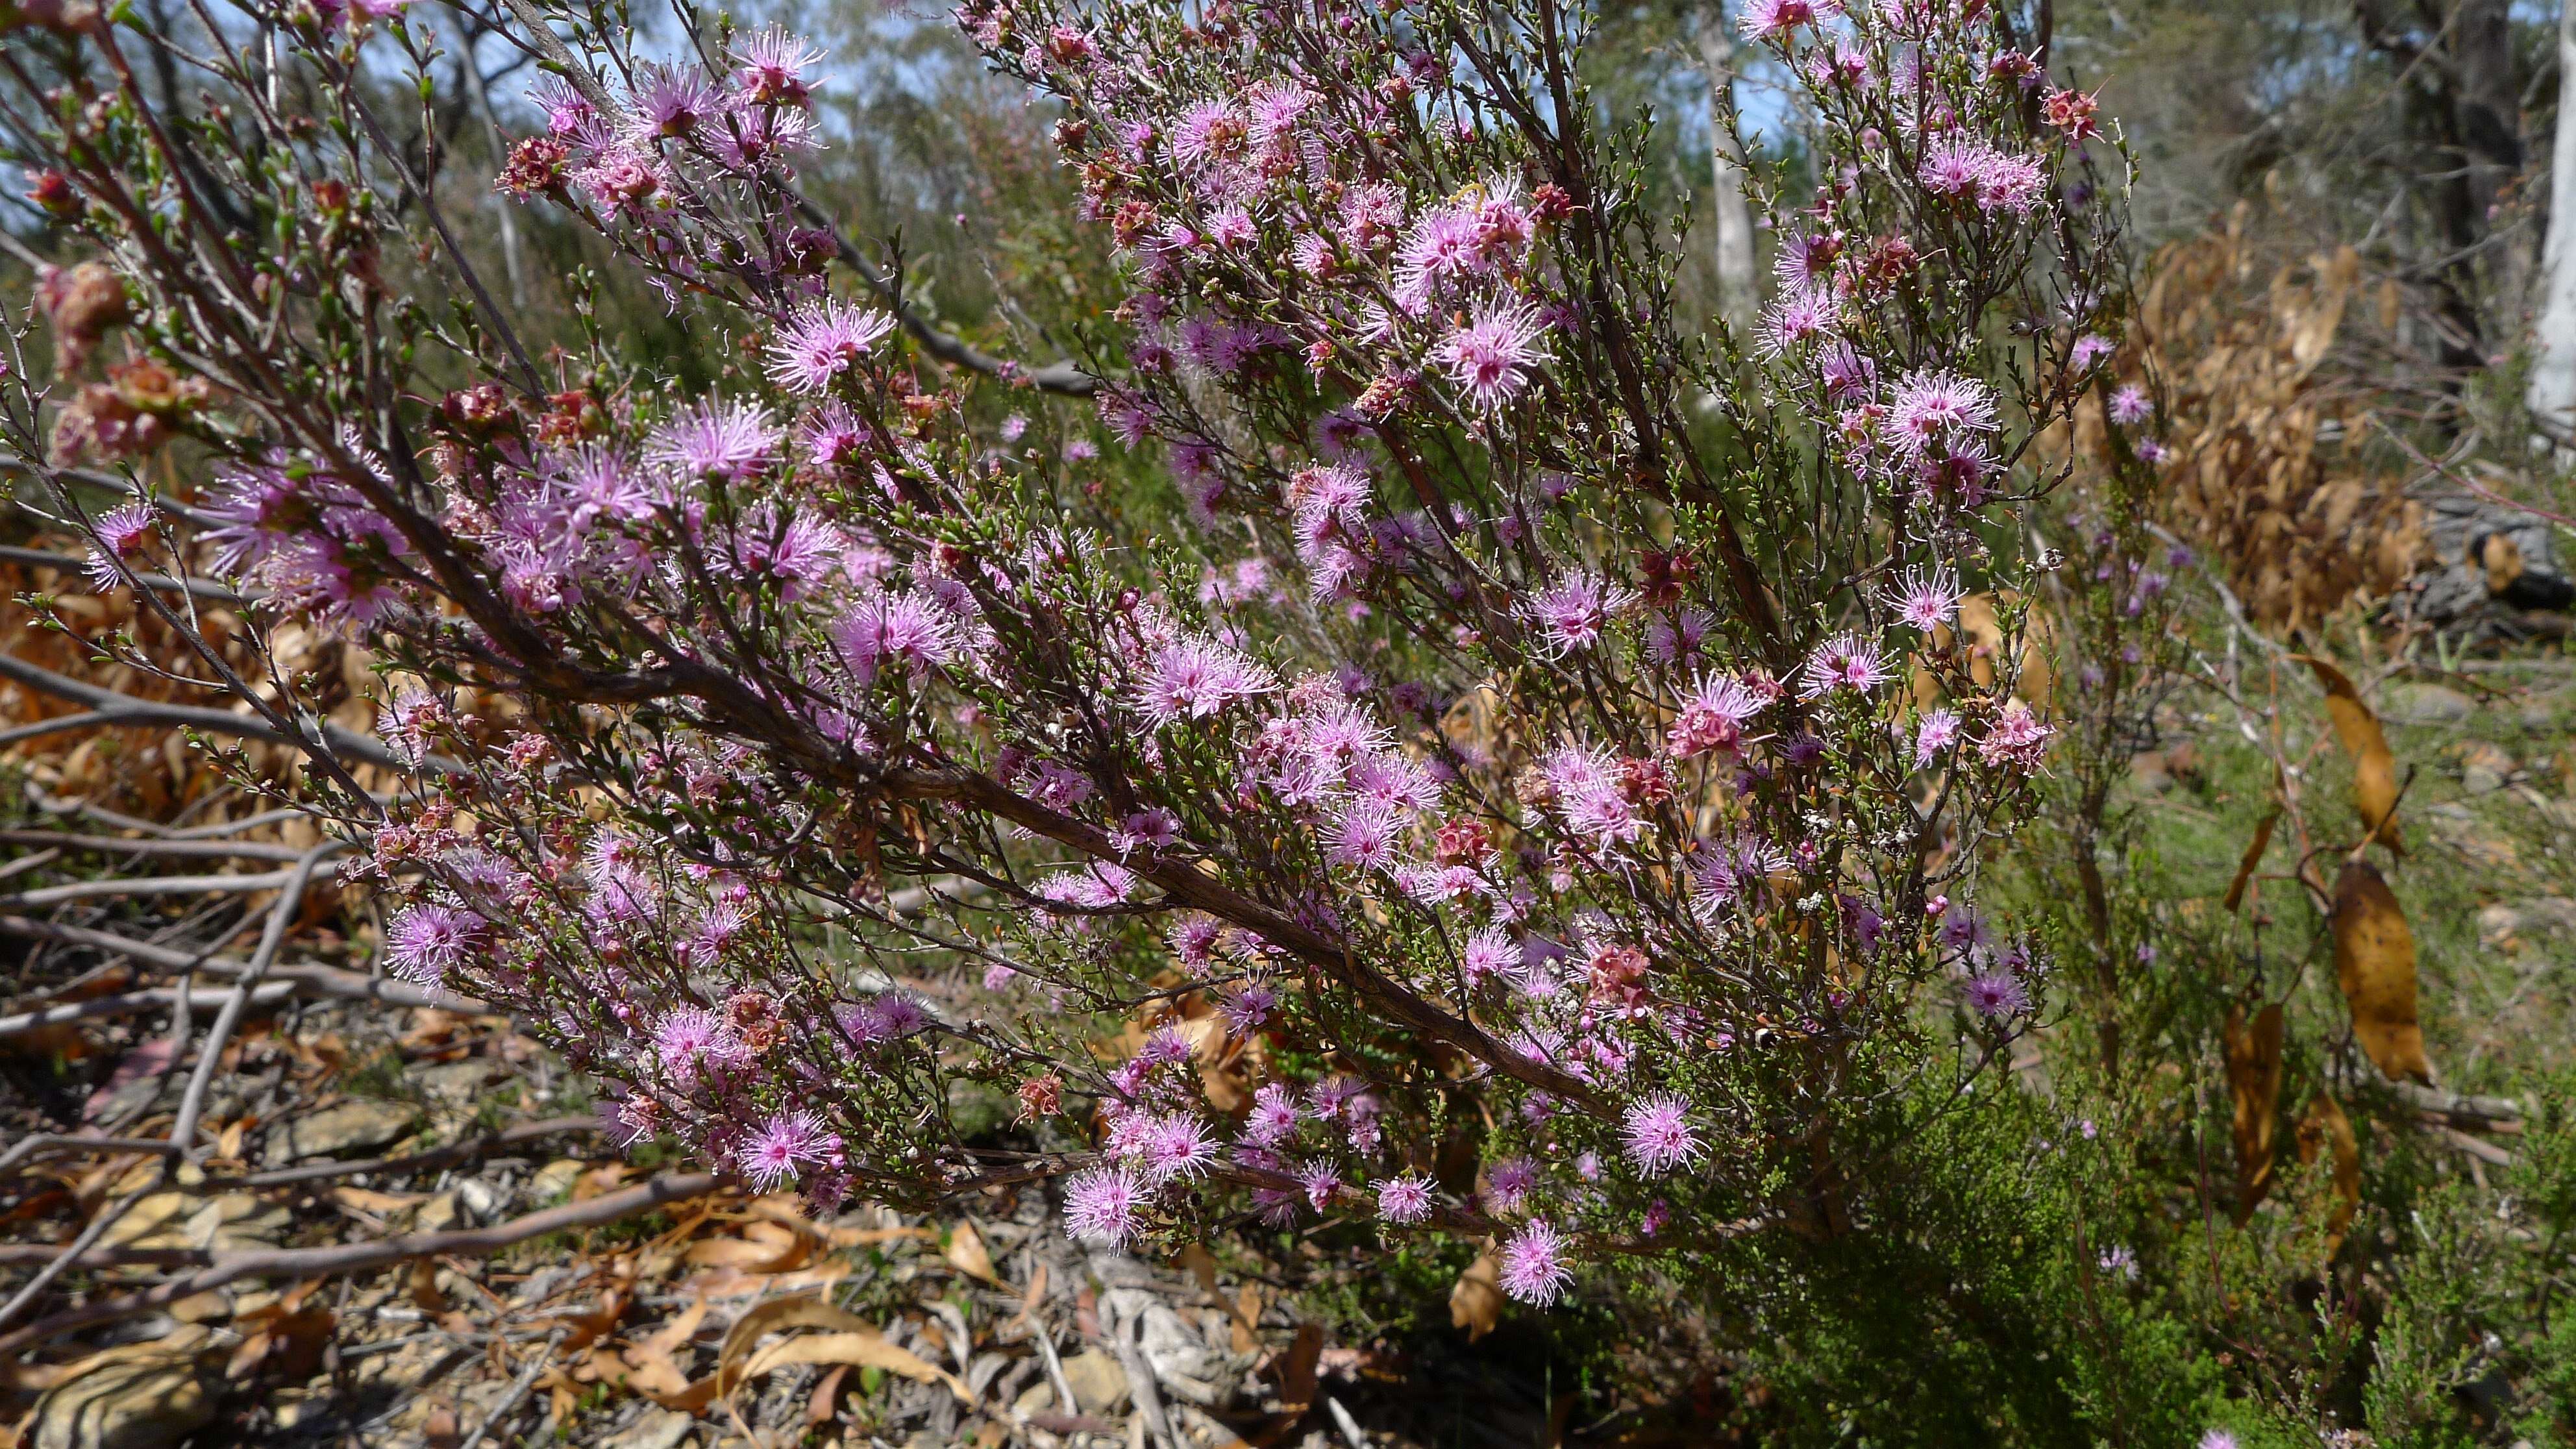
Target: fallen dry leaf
2253,857
850,1340
2254,1082
2375,964
2374,768
966,1253
2324,1128
1297,1369
1476,1301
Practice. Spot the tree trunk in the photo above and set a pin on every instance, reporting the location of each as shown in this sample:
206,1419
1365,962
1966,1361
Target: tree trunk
2553,374
1739,291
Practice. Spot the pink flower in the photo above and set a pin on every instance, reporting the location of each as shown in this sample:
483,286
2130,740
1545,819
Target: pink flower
1534,1266
773,69
426,942
2016,738
1100,1205
1846,661
1997,994
1178,1146
1247,1007
1723,871
716,439
1275,107
691,1036
2130,407
1572,613
1404,1200
1939,407
1509,1181
1364,836
1926,599
1488,954
1210,132
1939,731
671,102
1968,169
1490,356
1713,717
1194,679
822,341
123,534
779,1148
1770,19
1323,1183
1274,1115
902,628
1659,1136
1799,317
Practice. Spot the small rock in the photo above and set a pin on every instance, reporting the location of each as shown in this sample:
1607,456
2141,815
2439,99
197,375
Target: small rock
1098,1380
349,1127
2484,768
233,1221
2415,703
655,1428
555,1180
141,1396
2516,927
478,1198
453,1084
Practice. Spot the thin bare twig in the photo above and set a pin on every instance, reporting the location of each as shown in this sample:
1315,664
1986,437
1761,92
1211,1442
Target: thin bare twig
161,885
290,901
446,1156
206,589
358,1257
56,1144
518,1392
321,980
192,849
88,1239
136,1001
195,716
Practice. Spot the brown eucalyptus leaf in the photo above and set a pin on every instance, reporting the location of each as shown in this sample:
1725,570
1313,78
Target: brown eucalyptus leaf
849,1339
966,1253
2324,1128
2374,768
2375,965
1297,1369
861,1347
1476,1302
2253,857
2254,1082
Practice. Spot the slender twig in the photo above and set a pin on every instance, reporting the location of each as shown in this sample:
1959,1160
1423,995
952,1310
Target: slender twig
290,902
358,1257
38,1255
206,589
136,1001
416,1162
56,1144
88,1239
212,721
518,1392
161,885
321,980
195,849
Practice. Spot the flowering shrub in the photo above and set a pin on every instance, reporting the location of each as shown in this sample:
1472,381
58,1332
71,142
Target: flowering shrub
1538,732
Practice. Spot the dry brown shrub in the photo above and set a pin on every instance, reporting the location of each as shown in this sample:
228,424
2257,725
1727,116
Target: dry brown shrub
2266,476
